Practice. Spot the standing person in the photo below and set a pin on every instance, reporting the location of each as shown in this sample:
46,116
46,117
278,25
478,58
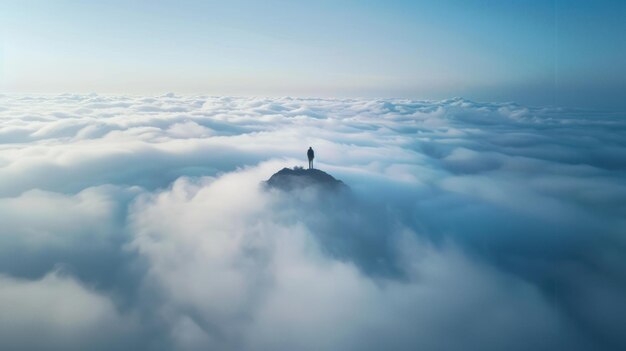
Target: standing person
311,155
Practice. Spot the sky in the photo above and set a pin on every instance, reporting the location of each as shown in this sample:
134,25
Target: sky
539,53
482,145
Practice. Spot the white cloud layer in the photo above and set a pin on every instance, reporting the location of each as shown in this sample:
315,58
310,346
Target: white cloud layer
139,222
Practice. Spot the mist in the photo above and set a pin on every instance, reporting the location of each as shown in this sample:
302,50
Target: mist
140,222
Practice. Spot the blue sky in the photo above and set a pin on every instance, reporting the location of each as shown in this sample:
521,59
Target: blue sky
566,53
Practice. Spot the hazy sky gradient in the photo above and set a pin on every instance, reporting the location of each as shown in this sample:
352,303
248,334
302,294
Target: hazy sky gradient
566,53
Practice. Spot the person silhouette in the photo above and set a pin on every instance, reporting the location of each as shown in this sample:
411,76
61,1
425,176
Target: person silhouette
311,155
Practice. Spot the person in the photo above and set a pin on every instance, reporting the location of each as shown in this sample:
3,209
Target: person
311,155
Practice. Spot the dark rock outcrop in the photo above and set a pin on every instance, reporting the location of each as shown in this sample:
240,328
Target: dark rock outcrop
289,179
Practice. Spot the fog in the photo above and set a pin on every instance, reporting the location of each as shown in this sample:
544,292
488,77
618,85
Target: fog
133,222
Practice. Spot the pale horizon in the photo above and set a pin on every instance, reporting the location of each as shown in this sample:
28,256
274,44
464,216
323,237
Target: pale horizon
566,55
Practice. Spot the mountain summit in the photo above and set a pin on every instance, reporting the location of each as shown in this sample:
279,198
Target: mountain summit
289,179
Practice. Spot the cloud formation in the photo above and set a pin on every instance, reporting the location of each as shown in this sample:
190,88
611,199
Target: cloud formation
140,222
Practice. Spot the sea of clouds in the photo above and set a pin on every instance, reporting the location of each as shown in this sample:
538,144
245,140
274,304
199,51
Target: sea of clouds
133,223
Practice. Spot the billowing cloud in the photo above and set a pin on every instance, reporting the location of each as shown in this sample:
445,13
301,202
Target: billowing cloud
469,226
57,313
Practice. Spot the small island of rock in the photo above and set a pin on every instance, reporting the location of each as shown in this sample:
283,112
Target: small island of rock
297,178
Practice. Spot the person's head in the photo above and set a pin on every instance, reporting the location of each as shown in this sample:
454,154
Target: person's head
310,147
